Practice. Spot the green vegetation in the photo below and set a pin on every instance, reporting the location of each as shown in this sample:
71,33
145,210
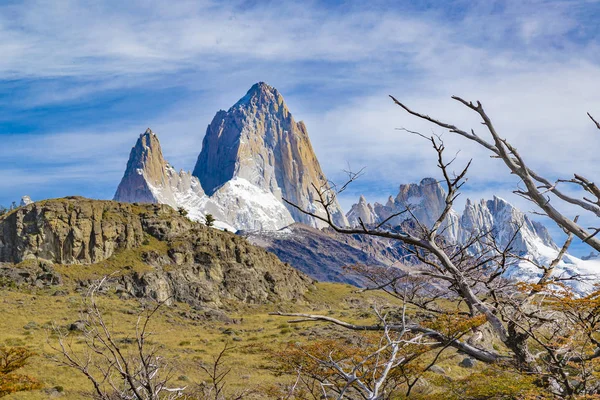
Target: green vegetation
209,220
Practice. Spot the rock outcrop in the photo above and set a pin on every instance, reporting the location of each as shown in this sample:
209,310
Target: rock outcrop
69,231
193,263
259,141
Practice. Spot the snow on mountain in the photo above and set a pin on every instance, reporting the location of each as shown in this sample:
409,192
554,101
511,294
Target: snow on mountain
258,140
253,157
25,201
362,211
496,217
569,266
237,204
248,207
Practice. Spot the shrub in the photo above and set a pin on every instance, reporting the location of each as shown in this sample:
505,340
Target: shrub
12,359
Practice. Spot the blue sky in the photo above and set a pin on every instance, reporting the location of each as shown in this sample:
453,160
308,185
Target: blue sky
80,80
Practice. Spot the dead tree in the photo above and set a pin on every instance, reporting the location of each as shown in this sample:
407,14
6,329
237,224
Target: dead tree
530,320
114,371
537,188
368,370
217,371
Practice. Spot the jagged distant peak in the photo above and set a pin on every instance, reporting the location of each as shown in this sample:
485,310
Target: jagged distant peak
390,201
428,181
362,212
146,154
149,178
426,200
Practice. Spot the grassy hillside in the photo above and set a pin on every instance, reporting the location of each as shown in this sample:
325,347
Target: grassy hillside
29,315
183,335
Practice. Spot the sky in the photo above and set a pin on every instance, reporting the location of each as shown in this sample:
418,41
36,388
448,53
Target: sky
80,80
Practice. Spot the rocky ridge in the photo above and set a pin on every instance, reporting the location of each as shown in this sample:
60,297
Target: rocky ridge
149,178
324,254
193,263
500,219
253,157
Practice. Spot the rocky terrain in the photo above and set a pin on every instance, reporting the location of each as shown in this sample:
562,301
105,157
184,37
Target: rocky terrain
179,259
325,255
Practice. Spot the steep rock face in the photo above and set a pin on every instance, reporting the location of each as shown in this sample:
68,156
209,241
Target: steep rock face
258,140
68,231
204,265
503,221
426,202
149,178
193,263
362,211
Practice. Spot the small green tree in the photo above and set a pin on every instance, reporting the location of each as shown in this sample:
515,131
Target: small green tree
209,220
182,211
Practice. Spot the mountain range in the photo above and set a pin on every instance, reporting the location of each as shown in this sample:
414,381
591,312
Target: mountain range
255,155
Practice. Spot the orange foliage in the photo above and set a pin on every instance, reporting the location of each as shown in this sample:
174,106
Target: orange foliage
452,324
11,359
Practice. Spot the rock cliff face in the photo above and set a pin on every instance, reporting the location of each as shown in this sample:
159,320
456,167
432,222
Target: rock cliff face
259,141
149,178
194,263
68,231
